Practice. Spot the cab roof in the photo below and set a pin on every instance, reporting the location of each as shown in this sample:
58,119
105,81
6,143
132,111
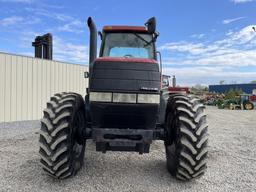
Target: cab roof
139,29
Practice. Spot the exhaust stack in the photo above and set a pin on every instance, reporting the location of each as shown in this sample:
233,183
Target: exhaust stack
174,81
93,41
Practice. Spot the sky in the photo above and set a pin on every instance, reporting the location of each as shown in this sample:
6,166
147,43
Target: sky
201,41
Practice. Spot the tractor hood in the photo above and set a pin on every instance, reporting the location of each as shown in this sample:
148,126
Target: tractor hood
120,74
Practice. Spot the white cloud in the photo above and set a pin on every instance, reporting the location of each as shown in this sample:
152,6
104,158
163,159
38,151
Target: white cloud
66,51
19,21
187,47
31,20
11,20
68,23
62,17
52,6
198,36
227,21
231,58
245,36
241,1
75,26
27,53
189,76
238,48
49,14
208,62
230,32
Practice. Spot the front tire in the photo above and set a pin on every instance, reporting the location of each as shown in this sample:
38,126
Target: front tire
187,137
61,147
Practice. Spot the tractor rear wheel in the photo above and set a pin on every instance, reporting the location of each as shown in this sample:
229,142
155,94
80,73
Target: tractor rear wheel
248,105
187,137
61,146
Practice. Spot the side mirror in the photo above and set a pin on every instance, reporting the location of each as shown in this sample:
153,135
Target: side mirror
86,75
151,25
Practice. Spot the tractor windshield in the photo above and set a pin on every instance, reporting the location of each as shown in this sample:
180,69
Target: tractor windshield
128,45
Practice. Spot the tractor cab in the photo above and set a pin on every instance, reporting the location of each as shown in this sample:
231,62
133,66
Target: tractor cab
127,42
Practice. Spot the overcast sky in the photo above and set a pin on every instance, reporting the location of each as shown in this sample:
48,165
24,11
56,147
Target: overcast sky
202,41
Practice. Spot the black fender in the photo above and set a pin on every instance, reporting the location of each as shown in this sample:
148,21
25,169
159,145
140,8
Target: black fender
163,106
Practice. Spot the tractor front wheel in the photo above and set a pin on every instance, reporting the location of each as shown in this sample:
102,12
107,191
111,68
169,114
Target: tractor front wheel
187,137
61,146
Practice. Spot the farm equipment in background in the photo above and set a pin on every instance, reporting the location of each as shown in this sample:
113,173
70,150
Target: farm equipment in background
172,88
125,109
246,101
229,104
212,99
253,99
243,101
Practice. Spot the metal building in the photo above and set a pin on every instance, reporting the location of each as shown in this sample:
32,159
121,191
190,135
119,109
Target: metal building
247,88
27,83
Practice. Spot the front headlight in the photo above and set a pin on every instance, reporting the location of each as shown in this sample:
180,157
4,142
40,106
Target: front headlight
100,96
149,98
124,98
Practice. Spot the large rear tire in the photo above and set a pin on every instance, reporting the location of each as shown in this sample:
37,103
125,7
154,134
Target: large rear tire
61,146
187,137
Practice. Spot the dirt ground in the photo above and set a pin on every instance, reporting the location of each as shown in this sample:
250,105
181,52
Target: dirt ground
231,165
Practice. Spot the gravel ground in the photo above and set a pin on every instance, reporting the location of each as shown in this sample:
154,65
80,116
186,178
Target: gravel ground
231,167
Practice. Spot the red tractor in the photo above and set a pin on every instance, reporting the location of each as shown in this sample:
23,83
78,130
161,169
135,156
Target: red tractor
125,109
172,88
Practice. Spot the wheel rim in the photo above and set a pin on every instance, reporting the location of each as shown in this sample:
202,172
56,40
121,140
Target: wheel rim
248,106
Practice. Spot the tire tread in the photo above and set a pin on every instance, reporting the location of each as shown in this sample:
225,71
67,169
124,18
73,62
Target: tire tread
191,153
54,139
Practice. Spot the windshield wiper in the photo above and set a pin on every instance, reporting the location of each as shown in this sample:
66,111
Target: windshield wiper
141,38
149,42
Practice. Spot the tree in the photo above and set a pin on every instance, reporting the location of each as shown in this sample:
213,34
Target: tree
230,94
254,81
233,93
199,87
222,82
